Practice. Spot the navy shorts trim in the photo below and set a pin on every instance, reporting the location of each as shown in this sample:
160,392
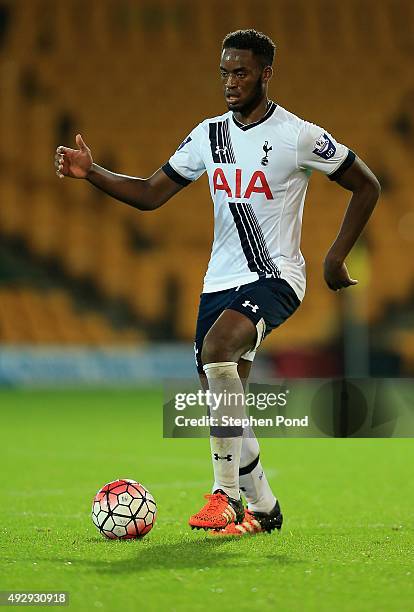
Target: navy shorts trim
272,300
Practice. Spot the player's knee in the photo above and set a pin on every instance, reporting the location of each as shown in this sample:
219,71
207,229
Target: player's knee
214,351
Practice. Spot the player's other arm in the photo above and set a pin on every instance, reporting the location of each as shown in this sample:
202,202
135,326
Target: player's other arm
144,194
366,189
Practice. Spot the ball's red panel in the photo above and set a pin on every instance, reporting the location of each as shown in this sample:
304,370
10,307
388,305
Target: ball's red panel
138,488
132,530
112,501
121,488
146,530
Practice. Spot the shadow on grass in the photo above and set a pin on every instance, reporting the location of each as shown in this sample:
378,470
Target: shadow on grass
199,554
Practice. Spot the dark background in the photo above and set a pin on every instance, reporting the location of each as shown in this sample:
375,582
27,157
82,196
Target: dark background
78,269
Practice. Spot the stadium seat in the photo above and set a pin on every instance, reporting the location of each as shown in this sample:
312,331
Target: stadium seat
149,260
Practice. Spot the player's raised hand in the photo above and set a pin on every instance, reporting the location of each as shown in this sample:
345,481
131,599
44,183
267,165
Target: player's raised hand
336,275
75,163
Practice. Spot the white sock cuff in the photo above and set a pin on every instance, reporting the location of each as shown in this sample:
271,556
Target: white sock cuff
221,369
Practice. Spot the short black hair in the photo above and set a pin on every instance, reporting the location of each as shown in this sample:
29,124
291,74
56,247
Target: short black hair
261,45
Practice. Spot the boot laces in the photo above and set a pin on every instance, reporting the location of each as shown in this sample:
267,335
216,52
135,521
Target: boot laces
215,500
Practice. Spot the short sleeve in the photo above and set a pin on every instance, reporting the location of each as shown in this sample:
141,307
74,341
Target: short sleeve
186,164
318,150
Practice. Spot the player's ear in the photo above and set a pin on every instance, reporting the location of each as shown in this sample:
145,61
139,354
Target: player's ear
267,73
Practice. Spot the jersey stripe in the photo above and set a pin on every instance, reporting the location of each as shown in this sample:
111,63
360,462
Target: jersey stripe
252,241
255,223
232,157
251,258
223,147
257,242
220,143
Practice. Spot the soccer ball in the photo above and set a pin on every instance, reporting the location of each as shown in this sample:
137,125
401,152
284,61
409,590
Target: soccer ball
124,509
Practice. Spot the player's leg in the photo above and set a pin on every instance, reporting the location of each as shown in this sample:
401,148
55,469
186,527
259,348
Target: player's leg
230,336
252,479
243,368
263,510
267,304
277,302
253,482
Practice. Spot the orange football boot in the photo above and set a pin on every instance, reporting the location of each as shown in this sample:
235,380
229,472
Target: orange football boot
218,512
254,523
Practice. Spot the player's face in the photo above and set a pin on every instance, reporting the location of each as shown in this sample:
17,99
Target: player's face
244,79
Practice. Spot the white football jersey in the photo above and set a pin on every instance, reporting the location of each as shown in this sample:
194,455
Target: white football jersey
258,175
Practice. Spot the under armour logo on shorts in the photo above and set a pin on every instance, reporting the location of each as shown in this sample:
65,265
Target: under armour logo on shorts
247,303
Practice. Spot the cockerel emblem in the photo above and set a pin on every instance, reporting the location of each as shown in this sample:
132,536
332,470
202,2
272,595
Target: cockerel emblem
266,149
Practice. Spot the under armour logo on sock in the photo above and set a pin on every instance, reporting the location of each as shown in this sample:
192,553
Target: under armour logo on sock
247,303
227,457
261,475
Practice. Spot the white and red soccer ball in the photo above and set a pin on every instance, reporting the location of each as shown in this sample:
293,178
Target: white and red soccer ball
124,509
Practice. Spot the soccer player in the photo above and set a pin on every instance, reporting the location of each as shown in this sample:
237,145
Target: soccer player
259,158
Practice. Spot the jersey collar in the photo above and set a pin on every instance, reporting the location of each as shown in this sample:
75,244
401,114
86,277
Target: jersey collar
271,107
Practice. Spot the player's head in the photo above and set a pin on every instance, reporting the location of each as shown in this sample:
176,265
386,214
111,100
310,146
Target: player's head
246,68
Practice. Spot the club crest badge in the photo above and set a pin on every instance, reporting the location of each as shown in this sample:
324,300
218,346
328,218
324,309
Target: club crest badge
266,149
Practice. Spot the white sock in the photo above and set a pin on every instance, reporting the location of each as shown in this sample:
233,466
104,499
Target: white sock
226,471
226,442
252,479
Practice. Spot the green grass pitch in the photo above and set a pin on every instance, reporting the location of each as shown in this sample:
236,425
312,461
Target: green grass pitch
347,542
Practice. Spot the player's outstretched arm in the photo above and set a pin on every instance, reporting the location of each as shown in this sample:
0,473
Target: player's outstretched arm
144,194
366,189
